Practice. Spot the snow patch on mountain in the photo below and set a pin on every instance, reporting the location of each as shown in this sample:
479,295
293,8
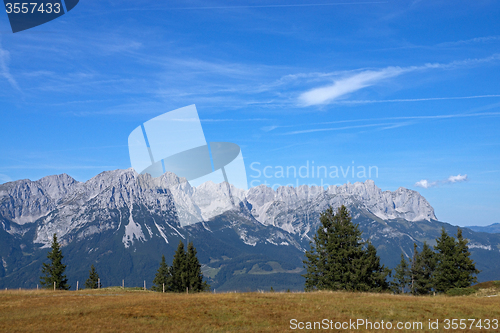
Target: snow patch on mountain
61,205
479,246
133,231
162,233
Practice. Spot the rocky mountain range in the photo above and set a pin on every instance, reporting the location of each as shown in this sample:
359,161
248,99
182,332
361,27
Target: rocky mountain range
122,222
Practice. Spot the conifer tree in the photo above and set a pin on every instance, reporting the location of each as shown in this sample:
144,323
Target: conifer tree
401,276
423,269
162,277
54,271
315,262
179,270
466,265
450,267
447,272
338,259
185,273
195,277
373,276
93,281
454,268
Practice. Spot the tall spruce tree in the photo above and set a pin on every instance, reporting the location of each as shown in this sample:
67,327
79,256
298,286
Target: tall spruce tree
466,265
423,268
178,270
93,281
195,281
163,277
373,276
402,277
54,271
455,268
338,259
447,271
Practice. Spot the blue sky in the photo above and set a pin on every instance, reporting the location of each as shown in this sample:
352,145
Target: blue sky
409,88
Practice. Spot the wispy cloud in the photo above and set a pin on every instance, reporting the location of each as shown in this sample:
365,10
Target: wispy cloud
60,167
4,68
156,8
346,85
401,100
380,123
288,5
269,128
425,183
486,39
4,178
350,82
211,120
382,126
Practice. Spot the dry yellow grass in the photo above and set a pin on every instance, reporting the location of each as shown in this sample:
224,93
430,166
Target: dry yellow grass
111,310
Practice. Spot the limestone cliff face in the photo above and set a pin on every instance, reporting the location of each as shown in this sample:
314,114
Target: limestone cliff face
111,199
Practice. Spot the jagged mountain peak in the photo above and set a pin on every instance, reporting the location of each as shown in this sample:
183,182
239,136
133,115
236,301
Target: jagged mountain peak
119,215
402,203
24,201
27,201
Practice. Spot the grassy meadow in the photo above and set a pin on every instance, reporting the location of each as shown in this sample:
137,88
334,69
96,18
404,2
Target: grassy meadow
116,309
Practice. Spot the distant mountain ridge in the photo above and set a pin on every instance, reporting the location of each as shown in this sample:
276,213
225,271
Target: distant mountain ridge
122,222
492,228
26,201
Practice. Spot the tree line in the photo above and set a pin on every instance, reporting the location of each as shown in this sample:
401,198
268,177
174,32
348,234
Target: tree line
339,259
184,274
447,267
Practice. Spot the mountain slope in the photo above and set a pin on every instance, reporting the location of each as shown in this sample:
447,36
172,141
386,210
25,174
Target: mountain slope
123,222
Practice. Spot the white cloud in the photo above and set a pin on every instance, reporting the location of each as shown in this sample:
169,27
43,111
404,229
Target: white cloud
424,183
353,82
269,6
382,126
269,128
416,99
4,178
346,85
4,68
456,179
470,41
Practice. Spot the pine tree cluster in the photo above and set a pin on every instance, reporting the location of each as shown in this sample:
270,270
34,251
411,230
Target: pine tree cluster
339,259
446,267
184,274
